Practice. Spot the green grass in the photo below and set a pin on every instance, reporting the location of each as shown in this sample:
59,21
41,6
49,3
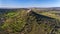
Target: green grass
14,22
50,14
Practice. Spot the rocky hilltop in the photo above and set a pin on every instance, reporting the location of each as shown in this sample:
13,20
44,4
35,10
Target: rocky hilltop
24,21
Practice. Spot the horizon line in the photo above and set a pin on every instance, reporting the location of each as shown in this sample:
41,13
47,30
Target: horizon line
26,7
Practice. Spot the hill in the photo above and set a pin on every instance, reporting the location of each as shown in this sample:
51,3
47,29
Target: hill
23,21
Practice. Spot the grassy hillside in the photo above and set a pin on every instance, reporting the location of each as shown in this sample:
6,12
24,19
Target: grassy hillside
20,21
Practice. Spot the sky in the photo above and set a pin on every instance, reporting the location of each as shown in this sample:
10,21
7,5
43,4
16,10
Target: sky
28,3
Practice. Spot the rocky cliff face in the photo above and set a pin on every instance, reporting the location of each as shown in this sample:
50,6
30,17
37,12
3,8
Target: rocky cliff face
40,24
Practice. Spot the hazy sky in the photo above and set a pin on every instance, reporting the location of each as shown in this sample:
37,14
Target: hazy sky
29,3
